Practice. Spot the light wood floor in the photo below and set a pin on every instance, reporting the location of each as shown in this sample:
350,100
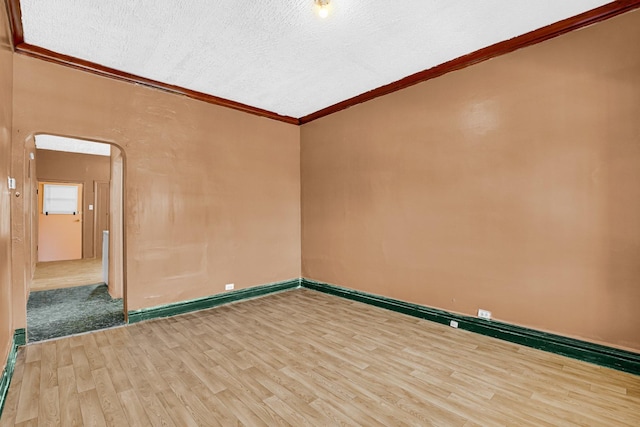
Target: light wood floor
304,358
65,274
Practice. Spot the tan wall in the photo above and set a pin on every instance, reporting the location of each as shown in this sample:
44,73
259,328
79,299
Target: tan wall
75,167
512,186
24,222
6,97
116,233
212,195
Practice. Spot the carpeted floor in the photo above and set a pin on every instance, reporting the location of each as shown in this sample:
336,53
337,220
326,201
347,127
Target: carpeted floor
60,312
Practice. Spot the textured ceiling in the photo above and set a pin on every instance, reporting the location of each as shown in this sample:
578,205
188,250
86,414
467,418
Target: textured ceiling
279,55
61,143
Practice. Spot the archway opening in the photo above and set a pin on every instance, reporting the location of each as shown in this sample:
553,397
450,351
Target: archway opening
77,237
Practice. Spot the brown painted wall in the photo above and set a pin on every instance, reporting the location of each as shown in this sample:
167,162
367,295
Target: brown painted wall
212,195
512,186
24,222
75,167
116,244
6,99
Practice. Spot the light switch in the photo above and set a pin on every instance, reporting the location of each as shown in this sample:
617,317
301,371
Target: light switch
90,207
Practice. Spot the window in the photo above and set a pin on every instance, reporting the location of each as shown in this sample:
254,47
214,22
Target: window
60,199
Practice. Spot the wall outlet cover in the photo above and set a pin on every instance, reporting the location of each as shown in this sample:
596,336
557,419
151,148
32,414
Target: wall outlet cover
228,287
484,314
453,324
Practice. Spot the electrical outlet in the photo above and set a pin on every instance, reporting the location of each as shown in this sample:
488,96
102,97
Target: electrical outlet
228,287
484,314
453,324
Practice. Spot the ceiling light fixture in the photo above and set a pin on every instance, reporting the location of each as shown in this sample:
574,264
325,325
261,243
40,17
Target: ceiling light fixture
323,8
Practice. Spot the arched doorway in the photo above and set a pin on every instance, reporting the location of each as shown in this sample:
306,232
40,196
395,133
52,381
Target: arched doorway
77,233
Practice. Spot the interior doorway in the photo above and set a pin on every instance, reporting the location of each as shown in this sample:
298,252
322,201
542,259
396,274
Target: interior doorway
79,241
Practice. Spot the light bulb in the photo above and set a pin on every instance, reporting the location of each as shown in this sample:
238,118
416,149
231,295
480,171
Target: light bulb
324,8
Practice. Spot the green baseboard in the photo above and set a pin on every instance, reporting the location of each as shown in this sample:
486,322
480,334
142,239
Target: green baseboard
209,302
20,337
582,350
7,372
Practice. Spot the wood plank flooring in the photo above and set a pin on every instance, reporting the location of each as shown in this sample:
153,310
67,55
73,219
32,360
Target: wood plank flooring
66,274
303,358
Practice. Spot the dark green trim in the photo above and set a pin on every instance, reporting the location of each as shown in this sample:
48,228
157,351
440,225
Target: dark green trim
7,372
582,350
212,301
20,337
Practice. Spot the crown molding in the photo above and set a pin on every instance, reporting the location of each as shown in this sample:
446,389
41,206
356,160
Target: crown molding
528,39
533,37
15,22
101,70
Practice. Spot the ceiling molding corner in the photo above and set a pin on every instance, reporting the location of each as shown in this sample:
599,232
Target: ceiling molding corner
15,21
593,16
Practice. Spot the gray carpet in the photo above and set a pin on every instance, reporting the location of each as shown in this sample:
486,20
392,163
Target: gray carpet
62,312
